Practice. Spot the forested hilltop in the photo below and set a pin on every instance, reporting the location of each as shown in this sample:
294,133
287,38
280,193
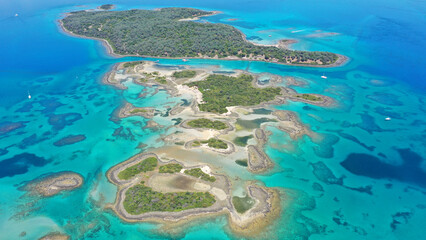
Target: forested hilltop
161,33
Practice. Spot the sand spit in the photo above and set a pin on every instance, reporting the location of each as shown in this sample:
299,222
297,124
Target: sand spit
258,161
55,236
129,110
113,78
53,184
290,123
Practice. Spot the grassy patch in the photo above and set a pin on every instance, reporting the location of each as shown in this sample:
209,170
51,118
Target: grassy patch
170,168
220,91
309,97
196,144
132,64
242,204
146,165
185,74
141,199
206,123
216,143
138,110
198,173
242,141
161,80
242,162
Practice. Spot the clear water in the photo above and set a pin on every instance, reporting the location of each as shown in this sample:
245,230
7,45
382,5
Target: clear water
360,177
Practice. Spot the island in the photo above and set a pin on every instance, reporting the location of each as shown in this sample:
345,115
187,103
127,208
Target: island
216,126
54,183
106,7
55,236
151,189
171,33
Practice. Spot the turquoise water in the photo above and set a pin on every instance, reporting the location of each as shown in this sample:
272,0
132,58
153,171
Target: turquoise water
359,177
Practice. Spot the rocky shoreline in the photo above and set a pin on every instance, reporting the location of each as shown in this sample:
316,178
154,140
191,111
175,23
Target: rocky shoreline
220,188
52,184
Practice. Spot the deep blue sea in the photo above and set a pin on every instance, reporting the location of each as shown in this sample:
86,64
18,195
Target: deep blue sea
360,177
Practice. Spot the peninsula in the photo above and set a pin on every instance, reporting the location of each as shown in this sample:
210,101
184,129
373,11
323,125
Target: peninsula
172,33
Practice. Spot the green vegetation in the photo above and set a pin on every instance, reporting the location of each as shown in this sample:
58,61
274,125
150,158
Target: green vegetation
309,97
242,162
196,144
170,168
159,33
216,143
146,165
206,123
242,204
161,80
180,143
106,7
220,91
185,74
242,141
198,173
141,199
131,64
138,110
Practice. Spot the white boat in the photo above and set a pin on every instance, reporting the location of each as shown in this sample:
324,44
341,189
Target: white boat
29,95
16,15
185,60
324,77
388,119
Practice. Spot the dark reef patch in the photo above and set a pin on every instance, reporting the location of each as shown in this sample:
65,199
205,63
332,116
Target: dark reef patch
19,164
7,127
50,105
70,139
44,79
354,139
386,112
398,218
32,140
59,121
325,148
368,124
325,175
385,98
124,133
370,166
26,107
3,151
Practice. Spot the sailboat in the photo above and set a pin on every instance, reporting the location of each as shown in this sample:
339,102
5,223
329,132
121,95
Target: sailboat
29,95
